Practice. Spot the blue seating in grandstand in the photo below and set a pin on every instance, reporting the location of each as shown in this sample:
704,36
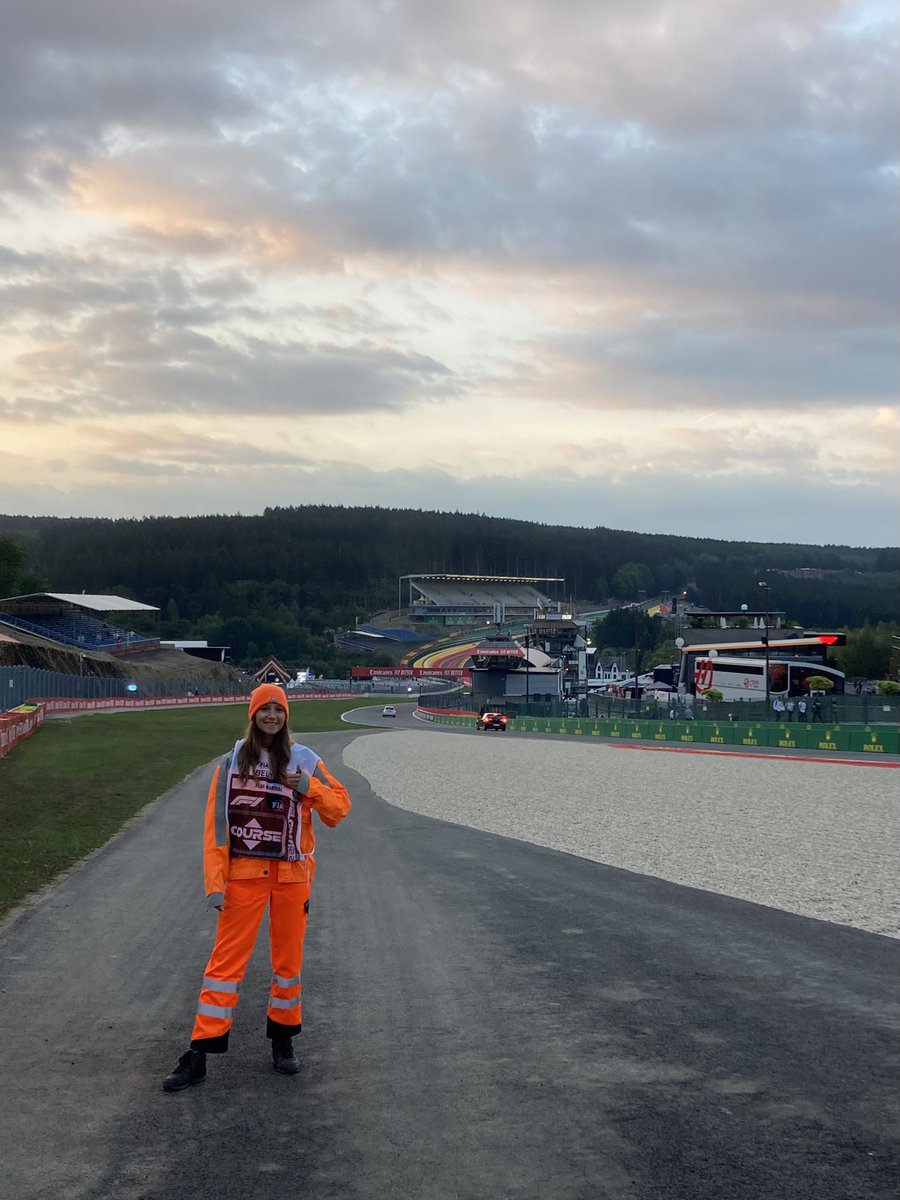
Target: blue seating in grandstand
392,635
357,641
77,629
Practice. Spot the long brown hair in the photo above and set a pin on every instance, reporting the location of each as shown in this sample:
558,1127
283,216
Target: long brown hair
252,747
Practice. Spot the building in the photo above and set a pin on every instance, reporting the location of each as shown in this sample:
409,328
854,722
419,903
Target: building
748,655
611,670
219,654
564,639
460,600
504,670
79,620
272,671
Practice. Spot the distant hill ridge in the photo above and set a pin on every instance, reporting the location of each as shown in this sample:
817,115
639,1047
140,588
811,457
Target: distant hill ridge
326,559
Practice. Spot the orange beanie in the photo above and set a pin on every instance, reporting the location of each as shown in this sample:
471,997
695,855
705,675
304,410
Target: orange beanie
264,694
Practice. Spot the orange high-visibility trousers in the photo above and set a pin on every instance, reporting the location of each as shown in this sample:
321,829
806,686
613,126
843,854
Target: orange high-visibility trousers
245,903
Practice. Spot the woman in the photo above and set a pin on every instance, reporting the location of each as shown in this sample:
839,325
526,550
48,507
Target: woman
259,850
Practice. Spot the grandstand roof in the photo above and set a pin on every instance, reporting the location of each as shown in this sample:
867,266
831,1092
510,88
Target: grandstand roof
454,578
43,600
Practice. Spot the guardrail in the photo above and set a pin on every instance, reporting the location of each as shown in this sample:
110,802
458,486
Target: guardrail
826,710
863,739
21,685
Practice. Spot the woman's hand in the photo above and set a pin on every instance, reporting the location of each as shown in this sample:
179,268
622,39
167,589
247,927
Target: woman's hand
292,778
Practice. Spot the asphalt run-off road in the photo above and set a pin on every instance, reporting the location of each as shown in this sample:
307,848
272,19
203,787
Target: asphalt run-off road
534,969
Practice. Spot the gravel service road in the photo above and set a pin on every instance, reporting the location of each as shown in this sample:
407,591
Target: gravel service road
805,837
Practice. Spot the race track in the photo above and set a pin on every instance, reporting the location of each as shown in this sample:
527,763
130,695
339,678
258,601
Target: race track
484,1017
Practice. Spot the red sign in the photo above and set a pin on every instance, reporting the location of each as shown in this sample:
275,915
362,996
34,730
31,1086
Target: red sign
16,726
407,672
703,674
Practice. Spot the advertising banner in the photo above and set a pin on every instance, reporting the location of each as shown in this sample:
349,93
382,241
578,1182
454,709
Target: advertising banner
408,672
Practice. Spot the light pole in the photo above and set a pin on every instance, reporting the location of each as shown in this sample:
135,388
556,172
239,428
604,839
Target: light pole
638,612
527,668
765,588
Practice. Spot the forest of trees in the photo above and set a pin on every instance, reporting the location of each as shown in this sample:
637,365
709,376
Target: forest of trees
284,581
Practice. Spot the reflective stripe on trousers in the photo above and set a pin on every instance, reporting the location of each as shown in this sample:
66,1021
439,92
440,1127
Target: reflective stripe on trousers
284,999
238,926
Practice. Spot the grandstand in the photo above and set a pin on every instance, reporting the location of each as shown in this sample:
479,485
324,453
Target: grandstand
478,599
79,620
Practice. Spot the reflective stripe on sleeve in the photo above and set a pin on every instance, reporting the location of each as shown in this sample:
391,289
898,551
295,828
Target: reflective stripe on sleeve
222,801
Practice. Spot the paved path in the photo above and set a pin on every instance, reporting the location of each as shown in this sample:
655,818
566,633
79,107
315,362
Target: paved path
484,1019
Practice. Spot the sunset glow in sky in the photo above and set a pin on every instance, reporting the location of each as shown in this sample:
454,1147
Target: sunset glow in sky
630,263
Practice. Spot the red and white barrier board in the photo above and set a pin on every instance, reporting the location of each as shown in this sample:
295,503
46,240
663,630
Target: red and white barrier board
18,724
412,672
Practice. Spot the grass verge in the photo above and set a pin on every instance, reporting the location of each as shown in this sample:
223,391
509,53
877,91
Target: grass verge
75,782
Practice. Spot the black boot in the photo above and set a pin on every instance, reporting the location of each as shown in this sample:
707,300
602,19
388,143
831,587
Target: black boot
190,1069
283,1058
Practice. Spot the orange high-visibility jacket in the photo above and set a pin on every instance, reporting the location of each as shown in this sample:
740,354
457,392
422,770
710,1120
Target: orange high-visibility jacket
318,790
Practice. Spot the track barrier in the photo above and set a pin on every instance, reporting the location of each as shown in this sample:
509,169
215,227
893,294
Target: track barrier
819,736
16,724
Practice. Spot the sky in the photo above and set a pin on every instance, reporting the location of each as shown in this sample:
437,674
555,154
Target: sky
628,263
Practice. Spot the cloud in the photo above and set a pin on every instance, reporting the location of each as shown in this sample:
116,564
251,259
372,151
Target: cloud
148,343
182,371
656,362
395,216
167,449
886,418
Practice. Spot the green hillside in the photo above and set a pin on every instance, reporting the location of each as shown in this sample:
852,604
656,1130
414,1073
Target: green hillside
283,581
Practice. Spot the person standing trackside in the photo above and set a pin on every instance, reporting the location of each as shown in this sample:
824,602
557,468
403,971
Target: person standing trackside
258,853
